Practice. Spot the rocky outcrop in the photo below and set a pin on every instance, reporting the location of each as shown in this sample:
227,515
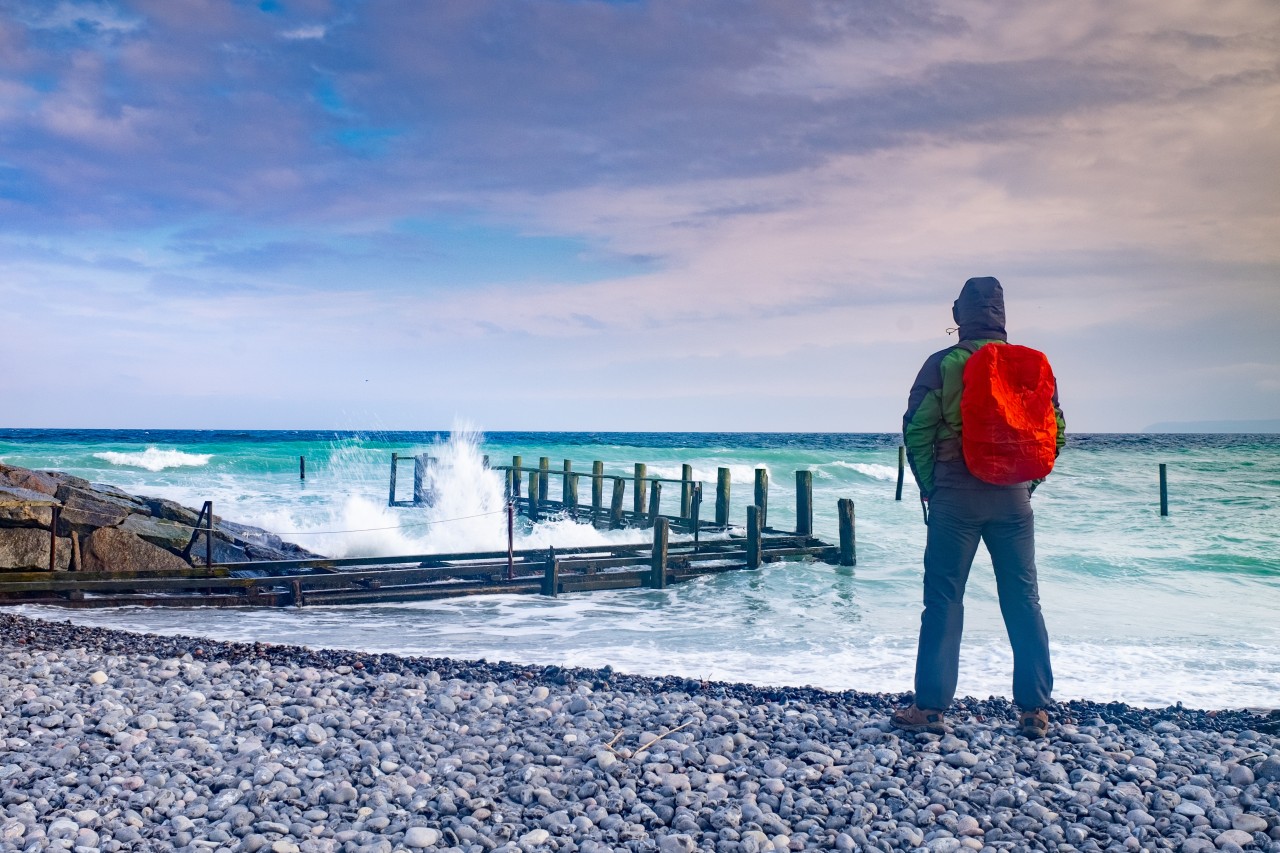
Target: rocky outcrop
26,549
102,528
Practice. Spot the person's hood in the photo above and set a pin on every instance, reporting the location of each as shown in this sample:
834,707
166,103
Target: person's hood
979,312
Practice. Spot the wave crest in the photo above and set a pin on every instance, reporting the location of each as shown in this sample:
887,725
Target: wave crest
155,459
872,470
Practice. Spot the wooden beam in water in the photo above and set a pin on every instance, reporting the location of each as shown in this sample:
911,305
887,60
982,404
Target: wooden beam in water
902,467
762,495
686,489
753,537
722,497
659,568
517,474
848,540
1164,489
544,477
615,506
535,493
655,503
639,492
597,490
551,580
395,464
804,503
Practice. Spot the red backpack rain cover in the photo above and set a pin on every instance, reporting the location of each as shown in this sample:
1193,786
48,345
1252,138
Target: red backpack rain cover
1009,432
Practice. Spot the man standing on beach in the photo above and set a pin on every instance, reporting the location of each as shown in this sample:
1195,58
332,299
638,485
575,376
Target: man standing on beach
961,509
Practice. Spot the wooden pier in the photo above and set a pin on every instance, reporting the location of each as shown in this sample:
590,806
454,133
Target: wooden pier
422,577
656,560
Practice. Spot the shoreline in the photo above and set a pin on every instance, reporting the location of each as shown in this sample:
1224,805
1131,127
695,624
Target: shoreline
118,741
65,634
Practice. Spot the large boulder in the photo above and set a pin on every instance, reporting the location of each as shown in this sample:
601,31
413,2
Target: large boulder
24,478
223,551
169,535
21,507
85,510
110,550
171,510
25,549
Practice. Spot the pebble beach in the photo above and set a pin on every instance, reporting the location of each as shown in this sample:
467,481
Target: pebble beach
117,741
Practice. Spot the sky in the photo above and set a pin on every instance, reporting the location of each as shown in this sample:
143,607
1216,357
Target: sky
647,215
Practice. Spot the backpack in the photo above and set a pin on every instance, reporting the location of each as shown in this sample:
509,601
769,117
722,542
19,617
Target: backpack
1009,430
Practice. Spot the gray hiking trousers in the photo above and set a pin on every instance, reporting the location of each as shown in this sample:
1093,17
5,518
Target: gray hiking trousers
1002,518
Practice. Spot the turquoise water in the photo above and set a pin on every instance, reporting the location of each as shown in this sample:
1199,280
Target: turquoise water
1140,608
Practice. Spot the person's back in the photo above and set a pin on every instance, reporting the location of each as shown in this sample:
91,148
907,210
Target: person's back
962,510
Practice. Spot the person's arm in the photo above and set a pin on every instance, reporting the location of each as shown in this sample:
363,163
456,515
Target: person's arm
920,425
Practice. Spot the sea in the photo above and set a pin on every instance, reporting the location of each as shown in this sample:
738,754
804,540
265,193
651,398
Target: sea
1146,609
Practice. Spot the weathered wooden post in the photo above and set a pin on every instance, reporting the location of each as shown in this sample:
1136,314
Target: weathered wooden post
551,574
638,496
571,494
532,502
302,467
753,537
722,497
564,482
420,463
804,503
655,503
615,505
686,489
519,475
55,517
295,589
395,463
208,536
485,461
1164,490
544,478
658,577
511,536
597,490
510,489
695,510
762,495
848,536
902,469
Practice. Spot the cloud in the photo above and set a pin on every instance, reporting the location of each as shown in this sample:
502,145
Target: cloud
482,182
305,33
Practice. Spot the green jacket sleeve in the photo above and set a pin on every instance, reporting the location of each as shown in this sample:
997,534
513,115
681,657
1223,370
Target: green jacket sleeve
922,421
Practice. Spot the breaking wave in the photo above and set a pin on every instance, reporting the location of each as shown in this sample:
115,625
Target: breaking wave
155,459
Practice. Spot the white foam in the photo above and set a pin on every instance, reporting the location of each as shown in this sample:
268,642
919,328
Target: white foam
872,470
155,459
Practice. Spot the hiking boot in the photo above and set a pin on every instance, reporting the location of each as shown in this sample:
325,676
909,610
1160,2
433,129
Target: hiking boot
913,719
1033,724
